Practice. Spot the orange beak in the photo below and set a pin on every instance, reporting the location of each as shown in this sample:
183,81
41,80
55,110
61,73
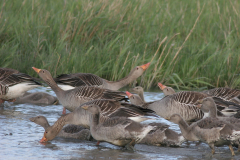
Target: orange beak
145,66
129,94
161,86
44,139
36,69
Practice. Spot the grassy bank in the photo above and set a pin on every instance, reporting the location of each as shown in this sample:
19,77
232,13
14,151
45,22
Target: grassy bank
191,44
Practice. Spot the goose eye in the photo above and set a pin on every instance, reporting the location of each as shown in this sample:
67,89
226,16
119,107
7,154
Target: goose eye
46,132
42,71
167,89
137,68
133,97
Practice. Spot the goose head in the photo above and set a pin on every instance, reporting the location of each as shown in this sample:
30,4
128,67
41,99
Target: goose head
40,120
206,104
138,71
166,90
134,99
45,75
92,108
49,134
137,90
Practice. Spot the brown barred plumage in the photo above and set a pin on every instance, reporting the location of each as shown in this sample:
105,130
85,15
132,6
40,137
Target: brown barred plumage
70,81
10,78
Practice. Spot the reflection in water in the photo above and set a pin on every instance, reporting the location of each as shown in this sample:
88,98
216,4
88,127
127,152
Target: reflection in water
19,139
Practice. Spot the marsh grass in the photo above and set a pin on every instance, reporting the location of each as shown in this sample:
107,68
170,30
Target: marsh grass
190,44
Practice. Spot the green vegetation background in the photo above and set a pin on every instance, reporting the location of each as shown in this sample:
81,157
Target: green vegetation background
190,44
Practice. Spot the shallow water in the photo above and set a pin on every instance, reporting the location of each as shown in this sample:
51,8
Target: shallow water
19,139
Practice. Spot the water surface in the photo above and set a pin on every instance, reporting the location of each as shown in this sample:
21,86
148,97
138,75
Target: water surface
19,139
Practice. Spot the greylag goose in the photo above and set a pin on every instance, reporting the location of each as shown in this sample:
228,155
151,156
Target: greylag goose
38,98
166,90
70,81
70,131
230,97
136,99
14,84
119,131
163,136
225,93
209,130
71,99
222,100
208,106
139,90
109,108
183,103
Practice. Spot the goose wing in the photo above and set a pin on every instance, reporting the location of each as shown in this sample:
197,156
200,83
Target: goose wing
5,79
224,93
112,108
187,97
79,79
209,123
92,93
117,121
10,77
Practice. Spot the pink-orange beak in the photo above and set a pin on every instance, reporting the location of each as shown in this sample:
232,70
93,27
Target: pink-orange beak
129,94
36,69
145,66
161,86
44,139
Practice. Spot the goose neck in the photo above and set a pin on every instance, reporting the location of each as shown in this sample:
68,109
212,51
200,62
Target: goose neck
184,127
63,120
116,85
213,111
95,119
142,97
53,85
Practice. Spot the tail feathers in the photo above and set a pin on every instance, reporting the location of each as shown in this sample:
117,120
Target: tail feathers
221,104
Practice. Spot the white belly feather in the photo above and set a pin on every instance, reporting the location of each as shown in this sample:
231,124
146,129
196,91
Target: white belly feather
18,90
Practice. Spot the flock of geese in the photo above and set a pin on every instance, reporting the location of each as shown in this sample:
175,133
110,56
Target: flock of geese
98,111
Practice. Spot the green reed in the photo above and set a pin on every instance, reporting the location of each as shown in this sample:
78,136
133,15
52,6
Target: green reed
191,44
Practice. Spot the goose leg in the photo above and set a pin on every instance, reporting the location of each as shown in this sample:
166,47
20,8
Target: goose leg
198,143
133,142
130,146
12,100
98,142
1,101
238,144
64,110
212,147
231,149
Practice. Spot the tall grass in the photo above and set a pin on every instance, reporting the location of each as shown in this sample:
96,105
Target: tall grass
191,44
